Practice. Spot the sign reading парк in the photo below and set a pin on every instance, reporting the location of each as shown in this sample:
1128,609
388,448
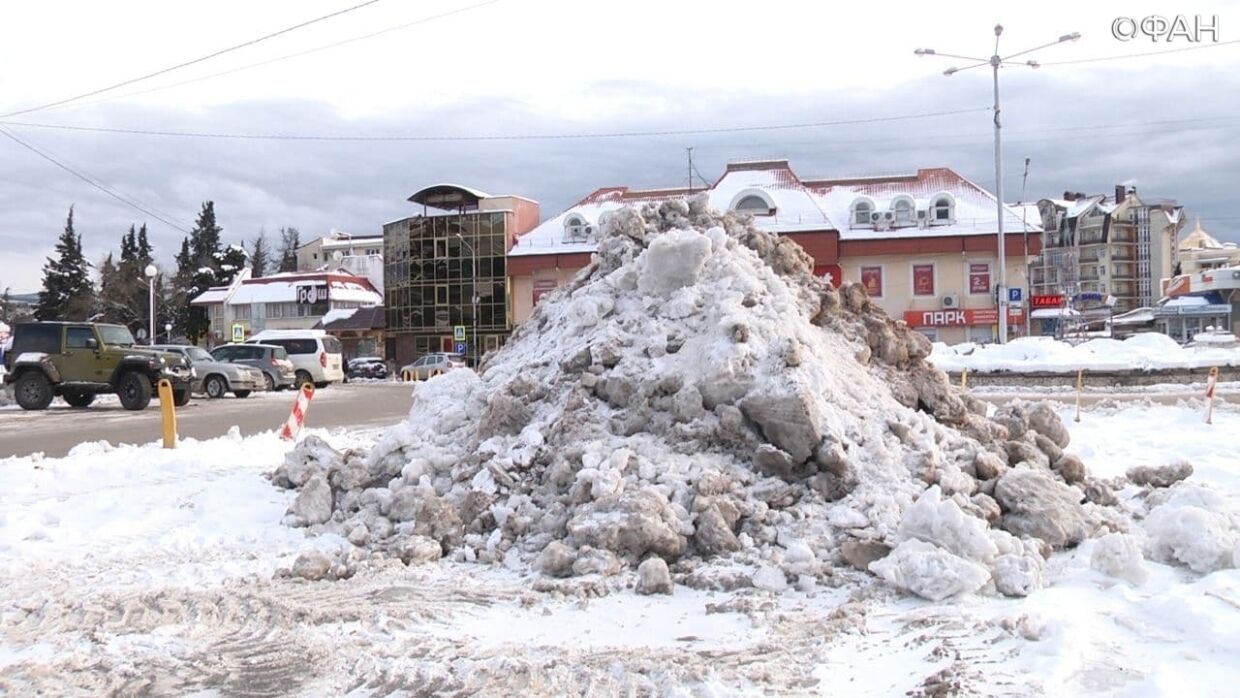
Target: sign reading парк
958,318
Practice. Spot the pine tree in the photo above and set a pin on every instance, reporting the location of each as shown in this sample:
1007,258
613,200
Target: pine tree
259,254
204,239
290,240
177,300
67,293
113,302
144,254
229,263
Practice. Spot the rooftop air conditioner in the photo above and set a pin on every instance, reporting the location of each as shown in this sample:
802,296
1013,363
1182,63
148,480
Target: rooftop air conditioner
951,301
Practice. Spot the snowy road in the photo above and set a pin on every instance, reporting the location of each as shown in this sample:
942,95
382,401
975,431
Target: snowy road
140,571
56,431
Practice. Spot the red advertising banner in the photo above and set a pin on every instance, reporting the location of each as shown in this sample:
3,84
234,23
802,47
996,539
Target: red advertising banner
923,279
872,279
1048,301
958,318
542,286
979,277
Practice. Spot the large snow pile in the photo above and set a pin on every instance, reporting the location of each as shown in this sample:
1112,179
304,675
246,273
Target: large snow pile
697,396
1138,352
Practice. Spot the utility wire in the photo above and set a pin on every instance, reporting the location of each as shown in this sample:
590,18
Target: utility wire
200,59
509,137
1125,56
278,59
92,181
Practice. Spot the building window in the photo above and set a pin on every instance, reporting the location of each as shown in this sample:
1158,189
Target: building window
861,211
903,208
872,280
441,294
754,205
441,248
979,278
241,312
941,210
923,279
576,229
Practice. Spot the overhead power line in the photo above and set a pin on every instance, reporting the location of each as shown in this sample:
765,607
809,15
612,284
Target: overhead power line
185,64
1143,54
93,182
298,54
498,137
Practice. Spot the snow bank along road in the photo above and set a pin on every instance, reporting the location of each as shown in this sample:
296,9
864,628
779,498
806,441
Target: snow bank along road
140,571
57,430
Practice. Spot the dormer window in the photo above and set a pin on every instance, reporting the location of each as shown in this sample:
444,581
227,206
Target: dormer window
861,210
942,210
754,202
576,229
904,211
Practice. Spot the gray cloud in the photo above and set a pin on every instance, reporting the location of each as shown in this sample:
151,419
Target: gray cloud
358,186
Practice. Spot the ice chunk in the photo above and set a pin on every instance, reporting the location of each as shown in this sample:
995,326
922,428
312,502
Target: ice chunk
1119,555
929,571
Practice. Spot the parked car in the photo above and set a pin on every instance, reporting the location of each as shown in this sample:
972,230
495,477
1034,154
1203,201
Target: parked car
79,360
317,356
422,369
215,378
367,367
273,361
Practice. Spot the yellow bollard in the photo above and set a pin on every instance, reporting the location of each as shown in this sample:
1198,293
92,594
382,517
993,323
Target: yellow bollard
407,376
1080,383
964,379
169,411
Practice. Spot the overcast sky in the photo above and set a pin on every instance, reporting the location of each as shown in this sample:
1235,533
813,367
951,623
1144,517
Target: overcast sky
537,67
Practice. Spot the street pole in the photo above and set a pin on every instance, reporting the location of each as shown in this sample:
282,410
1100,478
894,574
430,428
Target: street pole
151,271
994,62
1024,227
473,272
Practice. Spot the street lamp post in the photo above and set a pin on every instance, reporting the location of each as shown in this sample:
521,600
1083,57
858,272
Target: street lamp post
151,272
473,273
994,62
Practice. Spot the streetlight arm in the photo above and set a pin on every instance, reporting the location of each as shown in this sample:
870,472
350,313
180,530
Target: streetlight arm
932,52
1066,37
953,70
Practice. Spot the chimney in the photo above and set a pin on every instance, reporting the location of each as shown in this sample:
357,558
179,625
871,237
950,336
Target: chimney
1120,192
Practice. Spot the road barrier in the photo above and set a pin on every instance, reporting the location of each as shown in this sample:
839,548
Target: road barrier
407,376
167,406
964,379
297,418
1211,382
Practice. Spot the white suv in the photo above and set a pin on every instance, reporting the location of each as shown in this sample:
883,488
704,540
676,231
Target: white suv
317,356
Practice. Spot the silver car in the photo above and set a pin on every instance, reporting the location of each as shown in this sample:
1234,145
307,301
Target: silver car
431,365
273,361
215,378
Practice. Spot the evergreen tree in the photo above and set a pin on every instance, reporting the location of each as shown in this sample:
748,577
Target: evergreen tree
204,239
67,292
143,252
113,301
259,255
290,240
6,305
187,320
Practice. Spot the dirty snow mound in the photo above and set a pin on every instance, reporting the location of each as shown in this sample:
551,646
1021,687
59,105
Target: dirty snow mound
696,395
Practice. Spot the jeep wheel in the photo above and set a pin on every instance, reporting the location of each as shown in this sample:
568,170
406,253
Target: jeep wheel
76,399
134,390
303,377
180,398
215,387
34,392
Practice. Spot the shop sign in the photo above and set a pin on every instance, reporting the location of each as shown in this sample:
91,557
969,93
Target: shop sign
1047,301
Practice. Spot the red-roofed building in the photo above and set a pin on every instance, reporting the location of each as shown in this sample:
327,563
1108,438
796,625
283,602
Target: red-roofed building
925,244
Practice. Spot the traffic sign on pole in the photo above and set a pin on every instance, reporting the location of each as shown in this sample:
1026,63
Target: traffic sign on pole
460,347
1014,295
238,333
458,333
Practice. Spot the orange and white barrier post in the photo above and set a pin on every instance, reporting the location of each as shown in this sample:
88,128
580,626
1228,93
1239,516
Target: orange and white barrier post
1211,383
292,426
964,378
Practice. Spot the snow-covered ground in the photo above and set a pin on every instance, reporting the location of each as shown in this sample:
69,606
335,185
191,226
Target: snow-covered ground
135,570
1142,351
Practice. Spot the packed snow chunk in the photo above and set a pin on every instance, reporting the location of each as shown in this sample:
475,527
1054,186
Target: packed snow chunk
1017,574
630,525
311,566
653,577
1119,555
769,578
1188,534
929,571
1036,504
673,260
935,520
313,504
1161,476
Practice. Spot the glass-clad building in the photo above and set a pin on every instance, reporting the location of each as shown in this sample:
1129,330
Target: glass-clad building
445,275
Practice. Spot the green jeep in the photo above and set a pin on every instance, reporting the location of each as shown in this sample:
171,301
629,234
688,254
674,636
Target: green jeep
79,360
